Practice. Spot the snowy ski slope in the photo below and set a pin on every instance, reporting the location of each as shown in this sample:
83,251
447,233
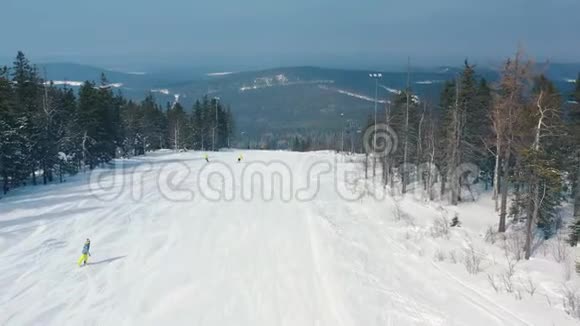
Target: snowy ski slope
160,257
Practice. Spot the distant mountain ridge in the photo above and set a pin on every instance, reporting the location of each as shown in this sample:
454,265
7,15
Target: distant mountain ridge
288,98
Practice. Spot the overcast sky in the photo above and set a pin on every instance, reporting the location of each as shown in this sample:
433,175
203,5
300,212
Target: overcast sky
301,31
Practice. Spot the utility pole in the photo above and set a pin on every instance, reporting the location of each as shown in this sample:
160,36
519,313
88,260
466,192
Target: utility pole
342,133
376,77
405,152
216,99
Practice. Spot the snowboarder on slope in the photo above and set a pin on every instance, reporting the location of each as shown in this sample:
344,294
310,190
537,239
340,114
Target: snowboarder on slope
240,158
85,256
206,158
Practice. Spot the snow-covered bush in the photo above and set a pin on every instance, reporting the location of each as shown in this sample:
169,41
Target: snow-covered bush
453,256
439,255
493,282
560,249
397,212
512,261
472,260
530,286
507,279
567,268
440,227
571,300
514,244
400,215
490,235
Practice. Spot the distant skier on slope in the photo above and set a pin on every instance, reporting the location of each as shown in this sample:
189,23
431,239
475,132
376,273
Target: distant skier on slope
85,256
206,158
240,158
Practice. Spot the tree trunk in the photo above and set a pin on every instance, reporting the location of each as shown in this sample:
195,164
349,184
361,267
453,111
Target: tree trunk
496,183
366,166
537,201
455,155
44,174
405,148
531,220
504,190
385,159
442,190
5,186
430,176
385,170
452,173
577,192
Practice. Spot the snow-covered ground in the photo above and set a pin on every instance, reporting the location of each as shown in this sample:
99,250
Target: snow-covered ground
174,243
351,94
222,73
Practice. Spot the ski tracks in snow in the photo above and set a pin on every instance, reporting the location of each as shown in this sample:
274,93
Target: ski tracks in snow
433,276
339,311
406,289
323,262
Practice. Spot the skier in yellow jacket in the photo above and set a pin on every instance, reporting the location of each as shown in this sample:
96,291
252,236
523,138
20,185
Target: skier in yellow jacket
85,256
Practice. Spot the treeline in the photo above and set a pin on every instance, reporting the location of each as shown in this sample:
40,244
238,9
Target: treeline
521,133
47,132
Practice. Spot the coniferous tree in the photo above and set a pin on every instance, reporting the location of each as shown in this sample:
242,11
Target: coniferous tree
12,160
465,105
154,124
446,106
90,121
428,143
178,128
198,126
541,162
405,120
573,128
68,133
27,97
45,129
47,121
479,127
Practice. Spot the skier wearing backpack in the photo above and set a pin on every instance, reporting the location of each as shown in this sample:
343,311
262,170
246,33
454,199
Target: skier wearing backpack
85,256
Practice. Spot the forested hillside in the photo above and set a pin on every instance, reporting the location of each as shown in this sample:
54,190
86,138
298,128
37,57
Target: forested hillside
47,132
519,135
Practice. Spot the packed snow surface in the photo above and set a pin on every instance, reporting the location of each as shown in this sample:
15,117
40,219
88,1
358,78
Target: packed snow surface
224,73
79,83
162,91
173,243
352,94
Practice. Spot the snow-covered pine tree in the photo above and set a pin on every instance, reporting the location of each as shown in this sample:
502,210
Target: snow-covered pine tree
197,126
10,160
404,117
27,97
573,128
540,138
466,125
179,130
